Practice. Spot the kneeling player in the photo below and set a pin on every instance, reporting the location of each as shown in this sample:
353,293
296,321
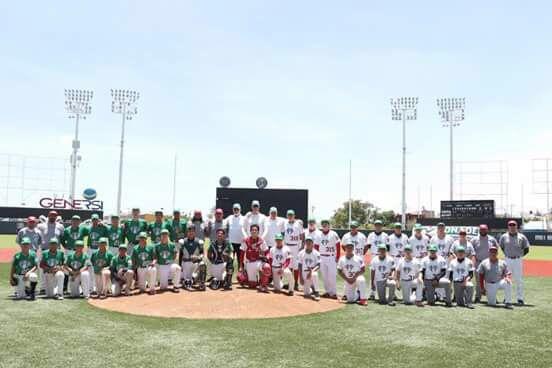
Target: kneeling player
101,263
408,278
121,269
351,268
165,253
494,275
23,271
253,256
52,265
461,274
77,268
383,276
220,255
143,261
191,260
309,264
280,256
434,269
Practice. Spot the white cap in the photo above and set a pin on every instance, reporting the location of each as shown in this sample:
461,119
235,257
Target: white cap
236,205
255,203
273,209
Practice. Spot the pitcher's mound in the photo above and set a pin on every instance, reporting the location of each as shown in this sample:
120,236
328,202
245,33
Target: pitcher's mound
217,304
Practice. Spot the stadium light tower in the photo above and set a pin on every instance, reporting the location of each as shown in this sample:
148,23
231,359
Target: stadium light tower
451,111
77,105
404,108
123,102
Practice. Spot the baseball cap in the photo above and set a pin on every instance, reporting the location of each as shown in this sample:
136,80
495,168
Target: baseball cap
349,243
79,243
432,248
95,216
25,241
378,222
31,219
75,217
255,203
460,249
408,247
483,226
323,222
312,220
397,225
53,240
493,247
158,212
290,212
236,205
144,235
382,246
279,237
512,222
114,217
309,238
354,224
273,209
135,209
52,213
417,227
102,240
175,211
462,232
219,210
441,224
164,231
123,246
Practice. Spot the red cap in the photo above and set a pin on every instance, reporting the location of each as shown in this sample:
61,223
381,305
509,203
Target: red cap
493,247
219,210
512,222
52,213
31,219
483,226
197,212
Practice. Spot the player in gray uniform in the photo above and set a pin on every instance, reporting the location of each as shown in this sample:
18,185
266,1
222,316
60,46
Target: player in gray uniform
199,225
434,270
515,246
460,274
481,245
494,275
463,242
48,230
30,231
216,224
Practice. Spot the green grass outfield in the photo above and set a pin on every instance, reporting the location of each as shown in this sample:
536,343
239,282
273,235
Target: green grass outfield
49,333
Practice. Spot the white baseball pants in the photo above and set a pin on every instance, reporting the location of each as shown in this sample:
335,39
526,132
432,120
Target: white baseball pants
279,277
147,275
515,265
189,270
350,290
118,286
407,286
22,283
82,281
307,283
252,269
103,281
492,290
328,271
294,250
218,271
173,270
54,283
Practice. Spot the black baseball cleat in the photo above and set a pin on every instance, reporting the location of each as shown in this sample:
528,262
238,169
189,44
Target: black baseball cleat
508,306
175,289
448,305
477,301
391,304
520,302
296,287
31,297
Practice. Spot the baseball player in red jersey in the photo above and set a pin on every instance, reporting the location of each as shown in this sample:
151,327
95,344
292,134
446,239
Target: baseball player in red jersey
253,259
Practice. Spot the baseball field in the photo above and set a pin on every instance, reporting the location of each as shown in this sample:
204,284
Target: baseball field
74,333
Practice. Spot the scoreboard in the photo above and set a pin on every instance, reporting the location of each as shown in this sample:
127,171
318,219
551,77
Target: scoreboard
468,209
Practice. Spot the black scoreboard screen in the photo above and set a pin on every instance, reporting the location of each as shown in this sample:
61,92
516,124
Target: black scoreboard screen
468,209
282,199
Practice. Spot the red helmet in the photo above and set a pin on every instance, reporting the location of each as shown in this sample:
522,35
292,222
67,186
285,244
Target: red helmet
242,277
266,270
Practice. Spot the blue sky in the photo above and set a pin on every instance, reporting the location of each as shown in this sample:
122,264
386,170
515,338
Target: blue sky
288,90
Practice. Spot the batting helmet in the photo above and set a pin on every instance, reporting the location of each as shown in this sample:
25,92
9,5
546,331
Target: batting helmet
242,277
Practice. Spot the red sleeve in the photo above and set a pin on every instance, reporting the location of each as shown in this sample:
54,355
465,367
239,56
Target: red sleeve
338,248
317,247
482,281
286,263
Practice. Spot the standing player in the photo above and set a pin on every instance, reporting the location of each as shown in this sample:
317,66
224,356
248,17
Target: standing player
235,229
199,224
280,258
190,257
134,227
515,246
408,277
309,264
442,240
116,236
461,274
330,250
313,232
71,234
434,270
356,238
94,232
253,253
351,269
216,224
165,253
51,229
101,262
255,217
493,276
293,238
419,243
382,272
222,264
157,226
462,242
178,227
144,263
52,266
481,245
374,239
32,233
274,225
76,267
397,241
121,269
23,271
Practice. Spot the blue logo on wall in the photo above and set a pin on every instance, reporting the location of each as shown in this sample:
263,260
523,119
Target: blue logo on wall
89,194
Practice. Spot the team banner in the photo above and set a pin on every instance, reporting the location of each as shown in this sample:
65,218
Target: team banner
471,231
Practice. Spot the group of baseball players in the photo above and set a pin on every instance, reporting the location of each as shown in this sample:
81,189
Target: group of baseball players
268,251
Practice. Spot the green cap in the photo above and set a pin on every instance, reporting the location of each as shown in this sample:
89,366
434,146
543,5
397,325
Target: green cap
54,240
143,235
378,222
397,225
164,231
312,220
123,246
432,248
417,227
323,222
103,240
408,247
460,249
95,216
354,223
75,217
114,217
382,246
279,237
79,243
290,212
25,241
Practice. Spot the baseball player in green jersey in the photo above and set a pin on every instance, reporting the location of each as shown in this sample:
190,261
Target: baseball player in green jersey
52,265
134,227
23,271
76,267
178,227
143,261
94,232
116,236
71,234
101,262
222,265
190,258
157,226
121,269
165,253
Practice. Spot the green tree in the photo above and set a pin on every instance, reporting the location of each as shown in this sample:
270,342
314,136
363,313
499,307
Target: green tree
361,212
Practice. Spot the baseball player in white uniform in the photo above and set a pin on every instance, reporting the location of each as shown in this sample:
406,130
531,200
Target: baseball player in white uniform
356,238
280,258
374,239
330,250
408,278
254,217
309,263
397,241
313,232
274,225
461,273
442,240
351,268
293,237
382,272
515,246
434,270
419,243
493,276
